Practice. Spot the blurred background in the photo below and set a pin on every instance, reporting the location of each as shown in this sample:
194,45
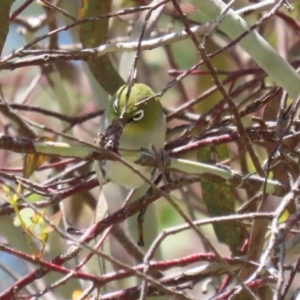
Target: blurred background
76,87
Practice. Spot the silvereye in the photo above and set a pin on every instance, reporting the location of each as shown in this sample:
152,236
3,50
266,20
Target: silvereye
143,125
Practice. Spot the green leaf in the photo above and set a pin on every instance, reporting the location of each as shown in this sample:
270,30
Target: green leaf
220,201
93,34
24,218
4,21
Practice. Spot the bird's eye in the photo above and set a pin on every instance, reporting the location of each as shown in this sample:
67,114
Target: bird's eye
115,105
138,115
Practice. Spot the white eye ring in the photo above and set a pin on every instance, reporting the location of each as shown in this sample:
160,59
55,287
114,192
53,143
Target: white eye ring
138,115
115,105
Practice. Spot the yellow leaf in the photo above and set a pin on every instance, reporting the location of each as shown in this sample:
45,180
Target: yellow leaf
285,215
77,294
33,161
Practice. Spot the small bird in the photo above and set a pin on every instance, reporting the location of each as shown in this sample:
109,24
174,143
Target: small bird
141,126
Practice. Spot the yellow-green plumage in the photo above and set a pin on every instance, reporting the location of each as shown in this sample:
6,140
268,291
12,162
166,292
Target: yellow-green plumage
143,125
